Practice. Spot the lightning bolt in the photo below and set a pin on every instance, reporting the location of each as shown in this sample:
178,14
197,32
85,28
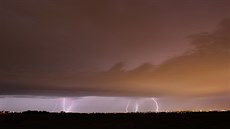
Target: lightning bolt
127,106
64,107
156,103
136,107
69,108
63,104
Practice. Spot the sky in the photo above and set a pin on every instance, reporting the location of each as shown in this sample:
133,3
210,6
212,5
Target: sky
120,52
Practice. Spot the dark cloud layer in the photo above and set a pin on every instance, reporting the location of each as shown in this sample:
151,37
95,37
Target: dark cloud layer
66,48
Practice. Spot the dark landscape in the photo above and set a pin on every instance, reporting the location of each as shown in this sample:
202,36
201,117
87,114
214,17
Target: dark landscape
177,120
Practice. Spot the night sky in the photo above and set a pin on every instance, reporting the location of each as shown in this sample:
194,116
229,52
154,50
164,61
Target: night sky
114,55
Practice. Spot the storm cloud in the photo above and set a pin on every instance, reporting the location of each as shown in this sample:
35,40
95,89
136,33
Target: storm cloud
68,49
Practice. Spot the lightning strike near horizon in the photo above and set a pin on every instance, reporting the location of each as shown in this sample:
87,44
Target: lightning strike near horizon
127,106
156,103
63,104
136,107
69,108
138,103
64,107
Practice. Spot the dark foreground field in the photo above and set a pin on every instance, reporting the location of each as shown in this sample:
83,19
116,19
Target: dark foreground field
195,120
